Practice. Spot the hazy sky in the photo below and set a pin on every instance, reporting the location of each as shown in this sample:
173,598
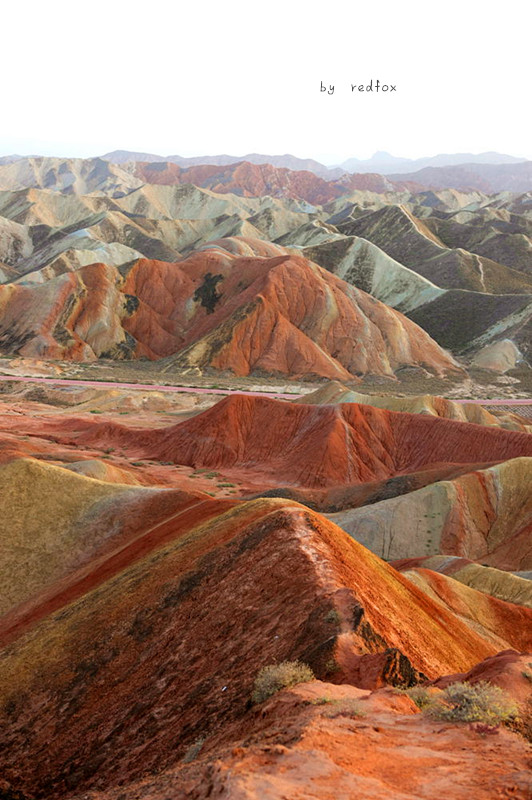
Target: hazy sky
198,78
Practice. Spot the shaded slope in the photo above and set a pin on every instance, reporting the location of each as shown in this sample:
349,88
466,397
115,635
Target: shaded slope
340,498
46,232
366,266
407,240
477,319
500,234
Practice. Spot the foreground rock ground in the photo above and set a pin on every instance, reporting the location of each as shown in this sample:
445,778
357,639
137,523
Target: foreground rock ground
325,741
146,581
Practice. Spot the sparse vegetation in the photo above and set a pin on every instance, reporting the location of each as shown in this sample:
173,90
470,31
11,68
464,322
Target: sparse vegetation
474,702
321,701
274,677
419,694
523,723
344,708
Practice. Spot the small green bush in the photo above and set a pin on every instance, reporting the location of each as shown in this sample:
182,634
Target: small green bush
474,702
420,695
274,677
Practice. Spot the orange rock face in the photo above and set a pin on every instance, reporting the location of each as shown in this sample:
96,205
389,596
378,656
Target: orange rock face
266,312
508,670
343,743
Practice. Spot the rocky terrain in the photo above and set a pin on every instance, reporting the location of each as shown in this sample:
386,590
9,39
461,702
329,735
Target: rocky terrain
425,253
143,589
255,417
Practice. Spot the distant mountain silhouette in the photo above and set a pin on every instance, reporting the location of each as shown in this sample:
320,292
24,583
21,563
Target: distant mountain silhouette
489,178
385,163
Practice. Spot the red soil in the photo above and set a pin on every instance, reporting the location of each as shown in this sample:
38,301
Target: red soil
298,747
248,180
304,445
338,498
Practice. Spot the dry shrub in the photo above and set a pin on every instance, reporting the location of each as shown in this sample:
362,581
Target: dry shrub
274,677
474,702
420,695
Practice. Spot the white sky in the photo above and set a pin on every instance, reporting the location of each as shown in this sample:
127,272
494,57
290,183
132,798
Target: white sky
198,78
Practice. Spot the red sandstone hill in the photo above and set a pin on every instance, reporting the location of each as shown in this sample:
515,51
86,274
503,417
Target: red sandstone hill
117,672
239,305
370,467
278,442
257,180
